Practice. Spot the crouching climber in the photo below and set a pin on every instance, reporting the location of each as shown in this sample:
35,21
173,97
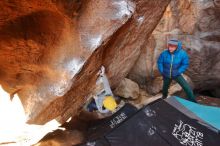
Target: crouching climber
104,101
171,64
104,104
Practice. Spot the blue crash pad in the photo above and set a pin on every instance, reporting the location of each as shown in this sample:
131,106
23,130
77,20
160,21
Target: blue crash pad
209,114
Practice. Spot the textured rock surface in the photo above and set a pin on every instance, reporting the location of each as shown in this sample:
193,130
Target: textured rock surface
197,24
127,89
62,138
51,50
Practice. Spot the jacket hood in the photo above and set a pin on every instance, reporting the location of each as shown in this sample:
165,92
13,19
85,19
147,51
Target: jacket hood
179,46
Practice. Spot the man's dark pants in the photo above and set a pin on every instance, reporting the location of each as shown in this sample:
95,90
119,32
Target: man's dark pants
182,82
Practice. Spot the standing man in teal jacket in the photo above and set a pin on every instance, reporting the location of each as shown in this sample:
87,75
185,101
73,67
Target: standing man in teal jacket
171,64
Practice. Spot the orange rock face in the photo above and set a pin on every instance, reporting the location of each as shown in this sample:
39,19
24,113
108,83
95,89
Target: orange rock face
50,51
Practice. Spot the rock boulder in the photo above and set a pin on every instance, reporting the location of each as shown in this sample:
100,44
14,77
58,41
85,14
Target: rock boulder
51,50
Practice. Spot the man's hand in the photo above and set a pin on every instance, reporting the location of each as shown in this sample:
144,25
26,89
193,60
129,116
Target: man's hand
102,71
